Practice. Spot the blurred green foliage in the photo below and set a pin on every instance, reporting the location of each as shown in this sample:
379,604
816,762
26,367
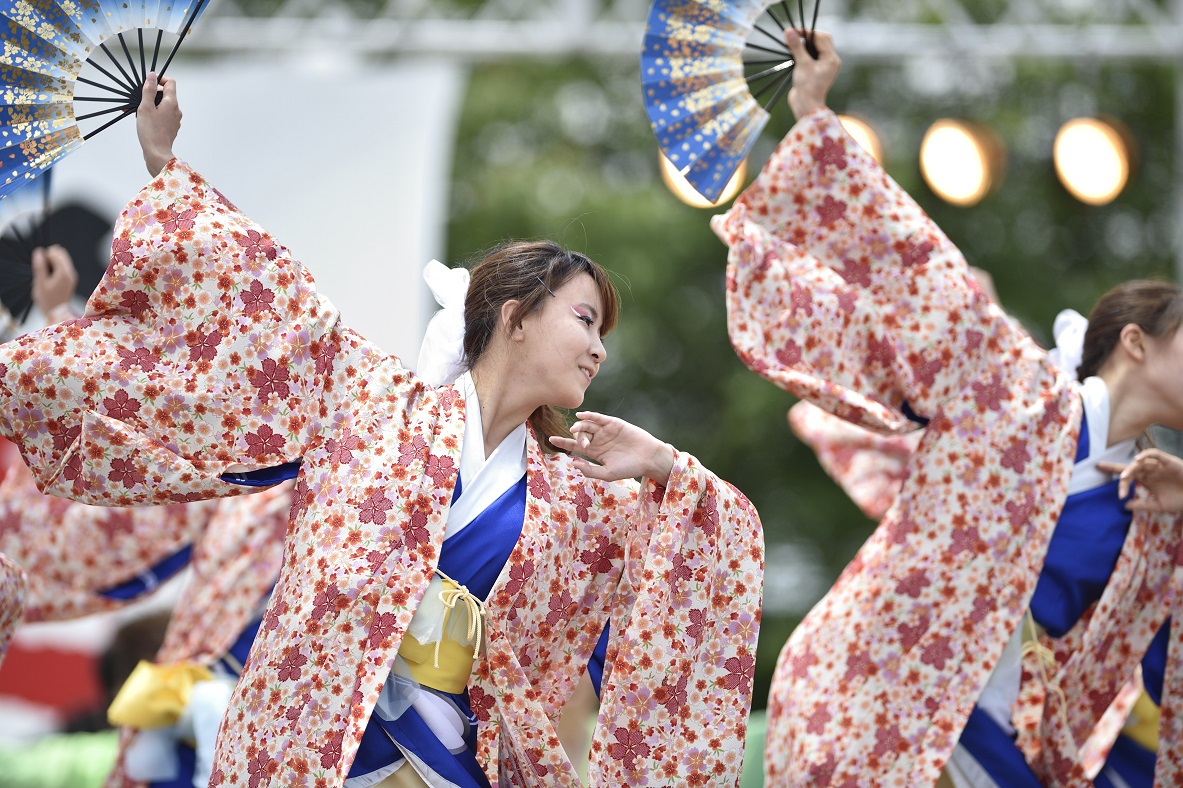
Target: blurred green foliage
563,150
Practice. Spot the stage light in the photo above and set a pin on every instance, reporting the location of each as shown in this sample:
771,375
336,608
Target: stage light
677,184
864,135
1092,159
960,161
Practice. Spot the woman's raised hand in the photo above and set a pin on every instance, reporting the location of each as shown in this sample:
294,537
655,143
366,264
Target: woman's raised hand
617,449
811,78
157,123
1159,473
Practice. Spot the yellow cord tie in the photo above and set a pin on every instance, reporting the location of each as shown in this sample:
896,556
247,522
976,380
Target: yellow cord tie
455,593
1045,658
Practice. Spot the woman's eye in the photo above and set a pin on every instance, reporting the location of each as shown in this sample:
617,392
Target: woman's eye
587,321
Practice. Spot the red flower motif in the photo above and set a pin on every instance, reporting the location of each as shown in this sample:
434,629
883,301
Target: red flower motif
989,396
265,441
561,607
600,560
480,702
134,301
381,628
121,250
256,298
300,500
439,469
341,452
121,406
260,768
270,379
290,664
913,254
409,452
697,628
583,503
790,354
140,357
855,272
124,472
172,220
518,575
255,243
832,152
936,653
740,671
539,487
63,435
629,745
801,299
374,508
672,696
830,210
325,601
330,753
203,347
881,353
913,583
817,721
324,353
1016,456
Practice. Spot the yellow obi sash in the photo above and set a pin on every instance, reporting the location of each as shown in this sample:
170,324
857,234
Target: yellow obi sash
1142,725
447,664
155,695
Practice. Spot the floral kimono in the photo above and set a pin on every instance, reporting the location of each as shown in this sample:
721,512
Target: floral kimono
206,350
73,552
13,585
868,466
843,292
234,565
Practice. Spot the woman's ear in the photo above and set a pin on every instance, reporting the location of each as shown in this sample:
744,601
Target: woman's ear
1132,340
513,329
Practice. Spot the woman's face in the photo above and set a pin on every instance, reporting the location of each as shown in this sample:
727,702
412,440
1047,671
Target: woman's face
560,344
1164,375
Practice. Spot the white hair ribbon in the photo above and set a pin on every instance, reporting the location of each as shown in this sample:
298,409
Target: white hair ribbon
441,356
1069,331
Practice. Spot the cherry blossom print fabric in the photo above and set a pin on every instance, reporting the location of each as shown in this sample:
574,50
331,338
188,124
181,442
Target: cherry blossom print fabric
843,292
234,565
206,349
12,600
869,467
71,551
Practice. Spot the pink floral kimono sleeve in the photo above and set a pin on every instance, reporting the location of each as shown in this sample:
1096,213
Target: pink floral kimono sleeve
205,348
675,702
869,467
842,291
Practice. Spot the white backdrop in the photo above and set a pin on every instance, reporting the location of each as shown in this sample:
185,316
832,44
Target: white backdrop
346,163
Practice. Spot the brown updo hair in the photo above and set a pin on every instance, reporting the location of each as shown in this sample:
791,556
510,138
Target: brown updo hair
528,272
1155,307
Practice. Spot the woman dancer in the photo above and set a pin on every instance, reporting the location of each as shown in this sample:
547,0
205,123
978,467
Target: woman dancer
842,291
445,551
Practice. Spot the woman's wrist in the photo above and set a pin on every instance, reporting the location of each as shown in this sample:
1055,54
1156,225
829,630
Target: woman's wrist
662,465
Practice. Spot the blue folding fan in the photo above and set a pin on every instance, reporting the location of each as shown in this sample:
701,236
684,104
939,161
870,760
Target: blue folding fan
53,47
705,64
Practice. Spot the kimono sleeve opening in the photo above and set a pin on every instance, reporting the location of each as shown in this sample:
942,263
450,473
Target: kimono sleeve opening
683,633
205,348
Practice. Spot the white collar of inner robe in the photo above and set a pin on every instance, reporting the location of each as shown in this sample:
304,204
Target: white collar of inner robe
483,480
1094,394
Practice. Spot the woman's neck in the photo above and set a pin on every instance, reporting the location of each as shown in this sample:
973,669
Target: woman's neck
502,407
1130,414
